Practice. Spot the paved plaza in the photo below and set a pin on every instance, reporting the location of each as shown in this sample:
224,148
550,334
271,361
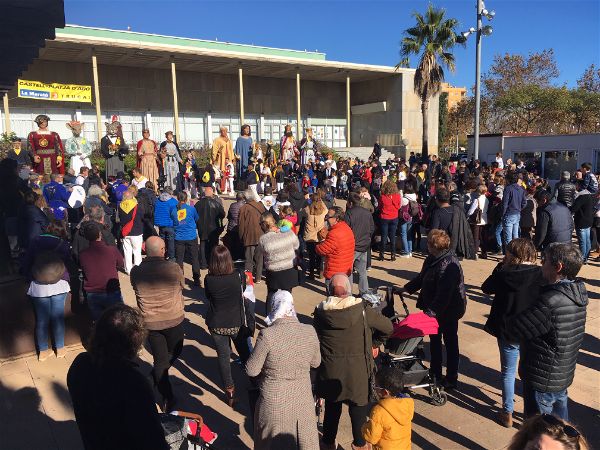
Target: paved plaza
36,413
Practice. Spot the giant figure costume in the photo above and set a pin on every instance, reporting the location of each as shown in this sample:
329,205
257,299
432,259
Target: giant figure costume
147,151
46,148
78,148
114,149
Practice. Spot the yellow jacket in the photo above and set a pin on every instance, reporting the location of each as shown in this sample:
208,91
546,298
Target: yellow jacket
389,425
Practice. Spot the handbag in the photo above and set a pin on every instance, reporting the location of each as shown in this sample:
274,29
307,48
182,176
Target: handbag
248,321
373,397
475,218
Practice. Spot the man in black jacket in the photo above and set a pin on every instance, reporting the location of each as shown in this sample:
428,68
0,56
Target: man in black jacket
564,191
361,222
551,333
583,210
554,221
210,224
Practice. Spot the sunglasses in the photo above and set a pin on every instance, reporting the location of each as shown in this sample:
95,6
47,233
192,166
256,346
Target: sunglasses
555,422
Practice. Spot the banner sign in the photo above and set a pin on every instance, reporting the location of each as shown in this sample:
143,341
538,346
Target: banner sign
55,91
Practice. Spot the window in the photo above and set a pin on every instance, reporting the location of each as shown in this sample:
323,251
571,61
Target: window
556,162
532,161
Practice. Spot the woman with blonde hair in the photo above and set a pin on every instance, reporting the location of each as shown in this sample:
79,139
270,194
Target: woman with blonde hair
314,221
389,206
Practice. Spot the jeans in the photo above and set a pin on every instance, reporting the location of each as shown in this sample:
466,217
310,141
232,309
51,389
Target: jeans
132,247
167,234
536,402
165,346
406,231
388,229
223,347
99,301
448,330
192,246
254,260
510,227
585,242
498,233
331,421
49,311
509,356
360,265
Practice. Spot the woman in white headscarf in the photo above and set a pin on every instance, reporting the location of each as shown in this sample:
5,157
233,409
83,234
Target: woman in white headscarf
282,358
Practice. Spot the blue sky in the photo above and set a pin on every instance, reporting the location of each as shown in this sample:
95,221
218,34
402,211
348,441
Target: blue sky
362,31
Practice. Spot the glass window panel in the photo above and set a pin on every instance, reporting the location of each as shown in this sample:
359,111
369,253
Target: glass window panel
556,162
532,161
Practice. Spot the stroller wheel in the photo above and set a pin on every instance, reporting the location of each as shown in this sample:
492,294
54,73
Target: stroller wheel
438,396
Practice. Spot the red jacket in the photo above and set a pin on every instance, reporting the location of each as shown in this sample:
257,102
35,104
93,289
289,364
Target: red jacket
338,250
389,206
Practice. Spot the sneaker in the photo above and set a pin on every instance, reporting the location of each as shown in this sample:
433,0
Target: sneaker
44,355
61,352
505,419
405,255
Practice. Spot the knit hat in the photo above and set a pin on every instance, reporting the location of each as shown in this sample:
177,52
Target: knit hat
284,225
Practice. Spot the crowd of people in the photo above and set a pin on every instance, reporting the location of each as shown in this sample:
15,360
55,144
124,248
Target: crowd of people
287,224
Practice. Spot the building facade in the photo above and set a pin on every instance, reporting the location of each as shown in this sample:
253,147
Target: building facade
192,87
455,94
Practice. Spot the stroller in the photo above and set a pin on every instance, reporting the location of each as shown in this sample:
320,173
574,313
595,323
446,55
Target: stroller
404,349
187,431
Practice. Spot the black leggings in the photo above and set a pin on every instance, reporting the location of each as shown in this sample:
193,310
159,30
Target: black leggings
314,259
223,347
331,421
165,346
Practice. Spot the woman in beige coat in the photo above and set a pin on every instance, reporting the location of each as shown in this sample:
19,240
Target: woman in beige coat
313,223
284,353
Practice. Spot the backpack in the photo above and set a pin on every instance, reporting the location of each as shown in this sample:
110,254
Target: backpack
416,211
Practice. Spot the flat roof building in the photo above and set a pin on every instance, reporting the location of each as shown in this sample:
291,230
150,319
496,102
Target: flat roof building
193,86
546,155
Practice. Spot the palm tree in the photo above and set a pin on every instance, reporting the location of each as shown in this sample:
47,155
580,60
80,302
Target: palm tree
432,39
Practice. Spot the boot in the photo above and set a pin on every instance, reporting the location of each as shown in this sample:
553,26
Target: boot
505,419
381,251
230,396
367,446
393,258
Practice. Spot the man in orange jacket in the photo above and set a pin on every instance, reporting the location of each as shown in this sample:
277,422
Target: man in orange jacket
337,246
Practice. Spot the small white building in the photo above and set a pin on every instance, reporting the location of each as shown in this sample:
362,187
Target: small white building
546,155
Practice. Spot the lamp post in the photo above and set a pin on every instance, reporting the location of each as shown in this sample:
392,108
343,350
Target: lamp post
484,30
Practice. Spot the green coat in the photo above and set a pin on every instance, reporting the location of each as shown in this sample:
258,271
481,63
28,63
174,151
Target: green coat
346,358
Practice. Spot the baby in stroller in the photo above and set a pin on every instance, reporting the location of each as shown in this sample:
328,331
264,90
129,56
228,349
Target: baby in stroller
404,349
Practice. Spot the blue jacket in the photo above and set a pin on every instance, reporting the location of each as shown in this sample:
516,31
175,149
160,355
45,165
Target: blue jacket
57,192
513,200
187,217
165,211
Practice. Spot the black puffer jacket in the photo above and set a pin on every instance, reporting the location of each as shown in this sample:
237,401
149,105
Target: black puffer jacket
361,222
565,193
515,288
442,287
583,210
551,333
554,224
